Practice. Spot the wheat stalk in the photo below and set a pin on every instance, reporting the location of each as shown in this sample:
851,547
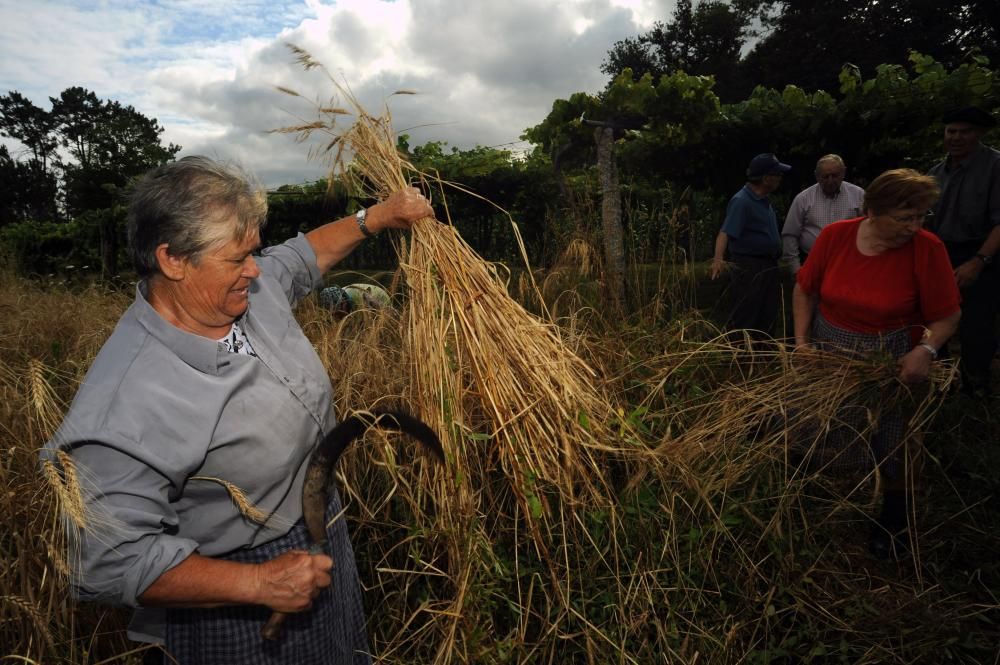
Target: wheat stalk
246,507
31,610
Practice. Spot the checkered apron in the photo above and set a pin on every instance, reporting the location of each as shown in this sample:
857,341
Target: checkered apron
332,632
862,437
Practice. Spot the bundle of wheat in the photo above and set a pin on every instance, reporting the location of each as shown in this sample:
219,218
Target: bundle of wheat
774,394
499,384
812,411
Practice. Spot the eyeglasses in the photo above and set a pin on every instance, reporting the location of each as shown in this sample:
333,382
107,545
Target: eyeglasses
914,219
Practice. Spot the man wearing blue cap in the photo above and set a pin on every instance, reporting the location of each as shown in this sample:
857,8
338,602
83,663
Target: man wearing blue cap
750,233
967,219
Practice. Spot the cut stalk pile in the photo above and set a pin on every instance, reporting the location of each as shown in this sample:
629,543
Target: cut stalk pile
503,390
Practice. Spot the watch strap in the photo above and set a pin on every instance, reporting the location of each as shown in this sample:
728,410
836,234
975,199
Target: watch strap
360,217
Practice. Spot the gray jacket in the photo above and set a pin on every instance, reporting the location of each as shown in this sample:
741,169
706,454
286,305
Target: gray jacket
164,418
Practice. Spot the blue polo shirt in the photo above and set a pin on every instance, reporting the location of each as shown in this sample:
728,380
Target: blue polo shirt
751,225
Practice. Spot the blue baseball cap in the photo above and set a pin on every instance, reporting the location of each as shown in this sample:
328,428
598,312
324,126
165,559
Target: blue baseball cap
766,164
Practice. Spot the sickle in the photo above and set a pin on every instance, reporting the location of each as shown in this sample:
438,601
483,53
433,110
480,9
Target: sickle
319,473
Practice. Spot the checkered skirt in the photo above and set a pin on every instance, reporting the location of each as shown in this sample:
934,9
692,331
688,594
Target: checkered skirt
331,633
863,436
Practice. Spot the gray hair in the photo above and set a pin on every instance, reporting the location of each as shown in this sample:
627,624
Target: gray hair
191,205
831,158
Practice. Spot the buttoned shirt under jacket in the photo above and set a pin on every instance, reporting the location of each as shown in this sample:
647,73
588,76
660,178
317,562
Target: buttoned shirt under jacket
811,211
164,416
969,206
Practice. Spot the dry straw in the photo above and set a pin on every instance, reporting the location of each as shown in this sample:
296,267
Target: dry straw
46,407
485,371
520,414
66,488
243,503
714,557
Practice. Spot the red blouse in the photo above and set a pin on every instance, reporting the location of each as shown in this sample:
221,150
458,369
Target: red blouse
912,285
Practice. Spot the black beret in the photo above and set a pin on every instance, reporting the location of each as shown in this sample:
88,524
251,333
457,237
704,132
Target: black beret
970,114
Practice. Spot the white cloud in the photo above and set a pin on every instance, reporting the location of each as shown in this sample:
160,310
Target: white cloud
207,70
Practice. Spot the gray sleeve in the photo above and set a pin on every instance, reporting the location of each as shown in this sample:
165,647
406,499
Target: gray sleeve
791,233
293,265
125,543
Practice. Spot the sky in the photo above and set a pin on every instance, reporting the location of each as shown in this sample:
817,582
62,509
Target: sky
207,70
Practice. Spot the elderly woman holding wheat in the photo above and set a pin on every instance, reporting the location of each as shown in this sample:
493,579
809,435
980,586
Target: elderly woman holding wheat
208,390
880,283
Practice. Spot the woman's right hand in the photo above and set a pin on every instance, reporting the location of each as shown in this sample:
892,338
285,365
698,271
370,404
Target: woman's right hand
400,211
290,582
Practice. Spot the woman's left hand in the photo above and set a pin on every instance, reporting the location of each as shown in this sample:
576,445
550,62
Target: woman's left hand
399,211
915,365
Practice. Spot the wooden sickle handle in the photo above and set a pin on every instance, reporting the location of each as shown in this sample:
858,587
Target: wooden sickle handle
273,628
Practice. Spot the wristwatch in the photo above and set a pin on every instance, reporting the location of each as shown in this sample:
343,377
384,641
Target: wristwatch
360,216
985,258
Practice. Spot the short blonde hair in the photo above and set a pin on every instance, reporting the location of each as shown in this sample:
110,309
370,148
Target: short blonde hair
901,189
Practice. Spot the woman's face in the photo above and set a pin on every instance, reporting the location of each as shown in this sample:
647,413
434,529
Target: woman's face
215,290
898,226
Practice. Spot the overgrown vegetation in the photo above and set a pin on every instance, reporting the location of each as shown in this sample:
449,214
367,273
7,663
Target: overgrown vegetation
714,550
665,516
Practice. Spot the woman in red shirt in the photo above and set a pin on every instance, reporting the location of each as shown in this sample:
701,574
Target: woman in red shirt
880,282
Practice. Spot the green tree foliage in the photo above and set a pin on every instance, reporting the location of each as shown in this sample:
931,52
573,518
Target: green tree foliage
806,42
34,127
40,248
679,113
29,185
658,117
705,40
29,192
105,145
296,209
106,142
690,139
810,41
493,187
109,143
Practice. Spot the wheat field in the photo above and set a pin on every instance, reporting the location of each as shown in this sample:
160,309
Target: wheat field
689,536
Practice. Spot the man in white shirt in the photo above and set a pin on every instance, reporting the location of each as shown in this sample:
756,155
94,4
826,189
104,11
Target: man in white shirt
829,200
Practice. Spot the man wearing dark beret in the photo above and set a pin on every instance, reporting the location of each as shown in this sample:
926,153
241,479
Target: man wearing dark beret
967,219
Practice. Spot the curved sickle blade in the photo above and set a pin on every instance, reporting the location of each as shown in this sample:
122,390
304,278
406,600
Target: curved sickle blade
316,486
